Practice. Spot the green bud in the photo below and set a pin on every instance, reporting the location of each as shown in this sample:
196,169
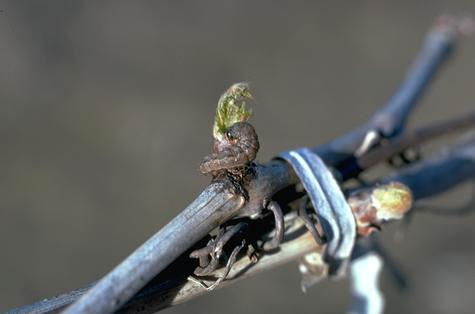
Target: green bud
391,200
231,109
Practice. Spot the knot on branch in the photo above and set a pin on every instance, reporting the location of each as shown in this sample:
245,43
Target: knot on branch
235,141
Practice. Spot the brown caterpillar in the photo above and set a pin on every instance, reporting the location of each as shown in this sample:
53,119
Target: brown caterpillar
238,149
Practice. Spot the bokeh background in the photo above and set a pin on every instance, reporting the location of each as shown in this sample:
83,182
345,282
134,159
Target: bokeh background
106,111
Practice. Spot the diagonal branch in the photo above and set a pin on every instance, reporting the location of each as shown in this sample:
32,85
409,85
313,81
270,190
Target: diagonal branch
171,287
450,169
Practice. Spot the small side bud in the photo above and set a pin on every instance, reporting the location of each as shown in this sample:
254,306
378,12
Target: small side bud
391,200
371,207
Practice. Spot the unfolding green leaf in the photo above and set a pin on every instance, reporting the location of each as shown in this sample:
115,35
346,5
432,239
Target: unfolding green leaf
231,109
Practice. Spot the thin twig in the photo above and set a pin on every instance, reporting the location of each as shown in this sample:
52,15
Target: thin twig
392,117
405,141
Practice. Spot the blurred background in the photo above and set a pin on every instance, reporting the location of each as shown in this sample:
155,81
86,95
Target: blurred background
106,111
